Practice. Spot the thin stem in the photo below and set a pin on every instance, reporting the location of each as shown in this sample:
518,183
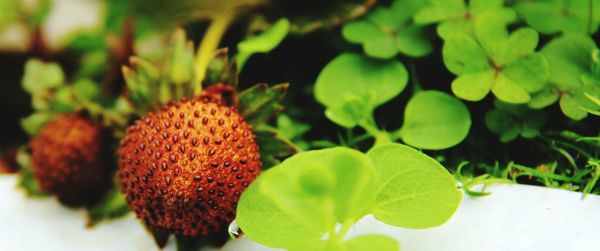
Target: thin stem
414,78
210,43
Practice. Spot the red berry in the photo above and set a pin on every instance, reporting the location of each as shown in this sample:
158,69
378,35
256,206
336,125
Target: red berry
69,159
184,167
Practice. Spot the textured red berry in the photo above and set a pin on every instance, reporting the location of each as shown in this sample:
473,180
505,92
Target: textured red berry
69,159
184,167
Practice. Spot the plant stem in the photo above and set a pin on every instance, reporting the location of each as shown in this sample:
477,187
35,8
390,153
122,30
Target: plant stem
414,78
381,137
209,45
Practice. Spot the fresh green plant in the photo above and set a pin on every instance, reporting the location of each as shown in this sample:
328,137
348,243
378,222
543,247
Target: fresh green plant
432,119
308,195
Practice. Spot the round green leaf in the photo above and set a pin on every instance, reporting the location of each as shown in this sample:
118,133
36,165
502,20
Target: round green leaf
353,75
415,190
435,120
372,242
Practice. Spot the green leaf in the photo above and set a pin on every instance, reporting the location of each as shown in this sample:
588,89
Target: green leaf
555,16
435,120
34,122
462,54
352,75
544,98
264,42
383,48
350,113
372,242
570,106
40,76
260,102
511,120
361,31
473,86
350,198
440,10
569,57
264,222
299,200
508,91
413,41
415,190
273,147
384,32
530,72
520,43
492,34
86,89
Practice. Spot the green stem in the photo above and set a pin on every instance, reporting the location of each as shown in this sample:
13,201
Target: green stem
210,43
381,137
414,78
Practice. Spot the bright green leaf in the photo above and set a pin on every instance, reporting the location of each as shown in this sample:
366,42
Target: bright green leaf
352,75
435,120
462,54
508,91
413,41
569,57
474,86
415,190
263,221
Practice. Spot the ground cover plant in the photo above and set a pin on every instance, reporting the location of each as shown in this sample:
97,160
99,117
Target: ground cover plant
214,118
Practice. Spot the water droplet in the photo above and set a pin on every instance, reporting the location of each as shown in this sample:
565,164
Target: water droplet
235,232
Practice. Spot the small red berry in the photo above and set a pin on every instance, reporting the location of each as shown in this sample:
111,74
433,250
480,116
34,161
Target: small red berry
69,159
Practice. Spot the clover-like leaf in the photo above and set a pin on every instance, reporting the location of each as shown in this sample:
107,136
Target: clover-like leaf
458,17
496,61
356,77
385,32
553,16
510,121
435,120
571,61
415,190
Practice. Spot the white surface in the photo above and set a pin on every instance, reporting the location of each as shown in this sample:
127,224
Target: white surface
512,218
